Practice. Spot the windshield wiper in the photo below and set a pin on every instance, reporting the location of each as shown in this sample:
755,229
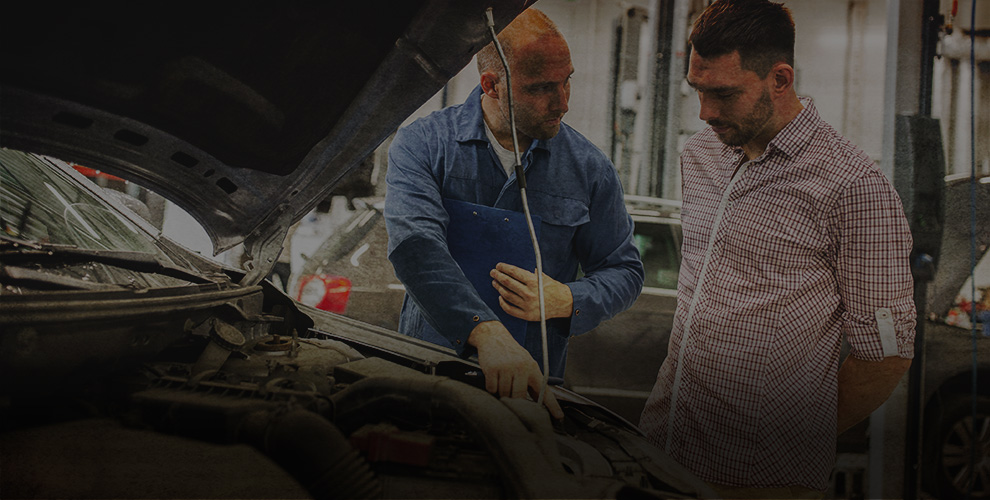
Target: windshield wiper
12,251
37,279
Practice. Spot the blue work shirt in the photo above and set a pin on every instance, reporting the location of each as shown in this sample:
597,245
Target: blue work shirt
571,185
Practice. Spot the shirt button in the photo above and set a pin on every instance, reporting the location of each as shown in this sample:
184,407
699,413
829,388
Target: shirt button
475,319
577,312
457,341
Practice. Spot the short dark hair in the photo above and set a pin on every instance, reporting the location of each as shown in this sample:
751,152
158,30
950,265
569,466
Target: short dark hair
762,32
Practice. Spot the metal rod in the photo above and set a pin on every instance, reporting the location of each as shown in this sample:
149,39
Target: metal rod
521,180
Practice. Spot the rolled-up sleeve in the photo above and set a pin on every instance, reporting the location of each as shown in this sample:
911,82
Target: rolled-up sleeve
416,222
873,269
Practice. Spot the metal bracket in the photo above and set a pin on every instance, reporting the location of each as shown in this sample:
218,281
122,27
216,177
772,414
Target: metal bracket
264,245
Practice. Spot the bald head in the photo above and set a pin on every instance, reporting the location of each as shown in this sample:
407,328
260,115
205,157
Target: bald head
530,26
541,68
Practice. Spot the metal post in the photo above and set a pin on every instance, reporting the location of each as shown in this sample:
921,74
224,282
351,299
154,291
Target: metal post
672,36
889,467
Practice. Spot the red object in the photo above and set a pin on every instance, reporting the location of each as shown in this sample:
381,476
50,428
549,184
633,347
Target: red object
336,292
966,306
385,443
93,173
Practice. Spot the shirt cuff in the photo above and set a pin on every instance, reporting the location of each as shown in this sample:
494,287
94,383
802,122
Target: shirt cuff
462,326
582,314
885,334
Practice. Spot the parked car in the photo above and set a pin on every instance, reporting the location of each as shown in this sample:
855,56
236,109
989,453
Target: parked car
955,442
133,367
353,260
952,438
616,364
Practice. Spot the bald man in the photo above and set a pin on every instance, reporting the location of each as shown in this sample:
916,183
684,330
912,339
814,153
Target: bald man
464,153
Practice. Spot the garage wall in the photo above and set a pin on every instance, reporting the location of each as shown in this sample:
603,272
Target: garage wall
840,56
839,59
588,26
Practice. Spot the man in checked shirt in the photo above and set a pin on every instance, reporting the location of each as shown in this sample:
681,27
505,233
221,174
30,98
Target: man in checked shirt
793,238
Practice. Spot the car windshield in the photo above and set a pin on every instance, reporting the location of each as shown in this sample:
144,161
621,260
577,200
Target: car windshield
659,249
43,205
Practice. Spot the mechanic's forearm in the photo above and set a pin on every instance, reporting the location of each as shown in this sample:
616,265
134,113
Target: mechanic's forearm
448,302
488,333
864,386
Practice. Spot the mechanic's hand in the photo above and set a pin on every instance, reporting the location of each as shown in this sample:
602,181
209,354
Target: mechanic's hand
510,370
519,295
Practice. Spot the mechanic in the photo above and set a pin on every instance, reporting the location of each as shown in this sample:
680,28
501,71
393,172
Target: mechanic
464,153
792,238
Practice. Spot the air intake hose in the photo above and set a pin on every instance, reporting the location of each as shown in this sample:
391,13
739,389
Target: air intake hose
313,450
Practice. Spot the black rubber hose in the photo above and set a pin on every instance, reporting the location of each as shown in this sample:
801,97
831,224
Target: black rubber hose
313,450
526,470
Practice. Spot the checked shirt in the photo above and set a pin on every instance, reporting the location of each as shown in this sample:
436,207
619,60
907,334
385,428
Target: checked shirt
782,257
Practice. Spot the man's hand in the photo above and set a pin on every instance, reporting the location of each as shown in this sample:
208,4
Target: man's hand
519,293
509,369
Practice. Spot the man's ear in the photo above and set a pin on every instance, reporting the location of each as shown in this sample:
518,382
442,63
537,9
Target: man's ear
783,78
489,80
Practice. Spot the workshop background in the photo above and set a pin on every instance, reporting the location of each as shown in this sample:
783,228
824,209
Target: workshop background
858,59
621,102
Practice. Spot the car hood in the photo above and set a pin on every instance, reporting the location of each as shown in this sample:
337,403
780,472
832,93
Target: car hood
965,201
244,114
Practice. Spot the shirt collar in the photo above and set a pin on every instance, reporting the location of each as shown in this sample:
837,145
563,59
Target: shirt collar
793,138
471,122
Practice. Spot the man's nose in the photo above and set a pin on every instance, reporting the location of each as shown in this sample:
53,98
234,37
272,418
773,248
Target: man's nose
709,111
560,98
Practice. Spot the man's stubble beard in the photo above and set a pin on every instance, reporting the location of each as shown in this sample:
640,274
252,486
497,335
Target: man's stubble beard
751,125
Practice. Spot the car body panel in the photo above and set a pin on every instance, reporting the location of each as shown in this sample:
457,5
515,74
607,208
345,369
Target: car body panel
955,356
948,348
244,115
358,251
965,202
